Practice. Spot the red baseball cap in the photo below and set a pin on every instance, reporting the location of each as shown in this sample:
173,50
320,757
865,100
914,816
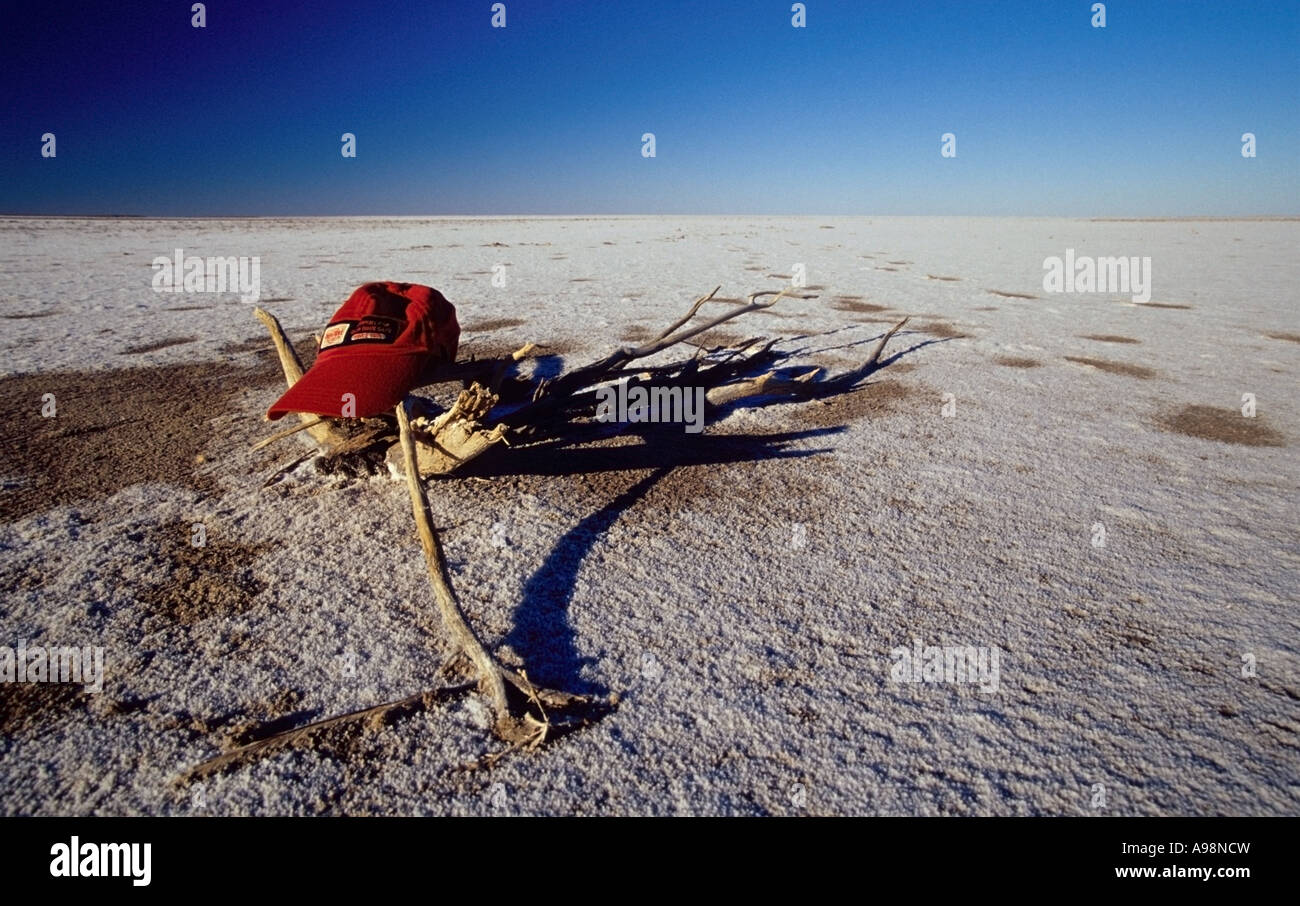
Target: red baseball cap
375,348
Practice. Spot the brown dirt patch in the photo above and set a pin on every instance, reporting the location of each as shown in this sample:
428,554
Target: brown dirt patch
712,338
158,344
26,317
214,580
1290,337
494,349
941,329
945,279
1226,425
1108,338
489,324
1007,295
878,398
1164,305
113,429
986,308
1012,361
1134,371
27,707
851,303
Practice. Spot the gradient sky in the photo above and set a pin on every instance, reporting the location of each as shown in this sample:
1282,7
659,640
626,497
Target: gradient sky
751,116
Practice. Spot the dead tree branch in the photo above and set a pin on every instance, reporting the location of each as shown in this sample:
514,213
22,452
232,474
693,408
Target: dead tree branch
428,441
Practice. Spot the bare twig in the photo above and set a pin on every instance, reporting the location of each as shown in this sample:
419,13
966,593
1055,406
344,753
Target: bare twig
453,621
374,716
690,314
874,358
671,337
322,431
510,726
289,360
281,435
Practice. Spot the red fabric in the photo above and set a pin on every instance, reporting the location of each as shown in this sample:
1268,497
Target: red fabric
375,348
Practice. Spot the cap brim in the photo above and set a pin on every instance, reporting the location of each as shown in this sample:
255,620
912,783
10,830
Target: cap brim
377,383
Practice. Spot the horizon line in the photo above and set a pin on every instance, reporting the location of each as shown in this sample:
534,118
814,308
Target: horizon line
1154,218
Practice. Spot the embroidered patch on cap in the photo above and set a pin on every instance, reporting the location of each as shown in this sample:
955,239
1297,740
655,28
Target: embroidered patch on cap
370,329
334,334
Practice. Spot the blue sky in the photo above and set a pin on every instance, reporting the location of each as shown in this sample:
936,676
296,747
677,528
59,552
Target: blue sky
750,115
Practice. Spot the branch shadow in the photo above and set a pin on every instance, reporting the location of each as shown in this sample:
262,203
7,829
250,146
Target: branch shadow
588,451
542,633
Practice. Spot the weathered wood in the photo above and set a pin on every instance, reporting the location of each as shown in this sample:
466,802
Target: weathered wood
436,442
321,431
446,441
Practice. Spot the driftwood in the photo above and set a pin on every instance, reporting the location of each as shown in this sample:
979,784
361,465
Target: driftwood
497,408
485,415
